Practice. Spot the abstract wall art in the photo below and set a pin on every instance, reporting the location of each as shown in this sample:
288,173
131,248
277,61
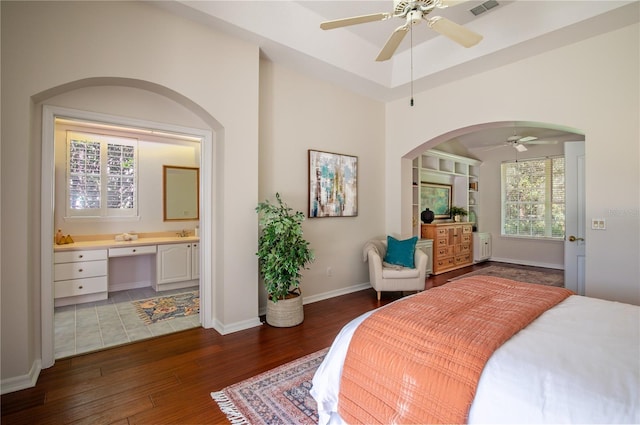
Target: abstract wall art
333,184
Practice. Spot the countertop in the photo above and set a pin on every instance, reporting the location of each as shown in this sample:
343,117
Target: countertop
112,243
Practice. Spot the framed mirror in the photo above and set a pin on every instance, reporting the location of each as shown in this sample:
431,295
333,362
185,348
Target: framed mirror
180,193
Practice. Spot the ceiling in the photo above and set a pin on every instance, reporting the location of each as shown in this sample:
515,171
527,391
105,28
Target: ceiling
288,32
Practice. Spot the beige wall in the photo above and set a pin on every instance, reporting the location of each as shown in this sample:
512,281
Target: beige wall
593,86
140,46
298,113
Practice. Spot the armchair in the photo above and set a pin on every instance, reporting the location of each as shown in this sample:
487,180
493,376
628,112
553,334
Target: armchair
390,277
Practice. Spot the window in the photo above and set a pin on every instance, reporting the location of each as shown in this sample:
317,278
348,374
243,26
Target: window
533,198
101,176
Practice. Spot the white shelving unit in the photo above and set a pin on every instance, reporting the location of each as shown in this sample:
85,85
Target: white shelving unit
460,172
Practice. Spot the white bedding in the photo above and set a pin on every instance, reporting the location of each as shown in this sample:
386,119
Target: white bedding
579,362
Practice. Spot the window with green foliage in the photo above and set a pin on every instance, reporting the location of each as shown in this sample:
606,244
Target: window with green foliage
101,176
533,196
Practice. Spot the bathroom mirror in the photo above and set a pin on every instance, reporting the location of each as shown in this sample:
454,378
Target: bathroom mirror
181,189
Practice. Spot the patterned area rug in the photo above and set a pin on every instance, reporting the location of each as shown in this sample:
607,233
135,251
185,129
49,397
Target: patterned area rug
552,277
156,309
278,396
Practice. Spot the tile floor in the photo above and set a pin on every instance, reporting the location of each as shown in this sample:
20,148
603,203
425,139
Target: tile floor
93,326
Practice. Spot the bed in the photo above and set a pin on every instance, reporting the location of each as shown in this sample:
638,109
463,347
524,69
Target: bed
577,360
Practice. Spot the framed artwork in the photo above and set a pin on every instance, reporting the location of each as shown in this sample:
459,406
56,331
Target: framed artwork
436,197
333,184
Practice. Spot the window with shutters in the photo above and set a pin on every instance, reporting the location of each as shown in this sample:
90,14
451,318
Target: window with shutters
101,176
533,195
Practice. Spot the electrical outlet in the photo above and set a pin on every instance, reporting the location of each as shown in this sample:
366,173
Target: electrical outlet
329,271
598,224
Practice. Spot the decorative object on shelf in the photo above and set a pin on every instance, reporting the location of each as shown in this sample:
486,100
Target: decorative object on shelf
458,213
427,216
333,185
438,197
473,186
282,253
472,217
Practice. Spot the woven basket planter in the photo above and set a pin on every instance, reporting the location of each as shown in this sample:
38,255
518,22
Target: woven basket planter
285,313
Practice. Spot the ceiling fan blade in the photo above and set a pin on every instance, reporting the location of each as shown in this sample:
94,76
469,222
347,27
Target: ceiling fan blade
338,23
449,3
392,43
542,142
453,31
527,139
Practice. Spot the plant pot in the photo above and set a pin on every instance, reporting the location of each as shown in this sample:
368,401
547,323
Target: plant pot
286,313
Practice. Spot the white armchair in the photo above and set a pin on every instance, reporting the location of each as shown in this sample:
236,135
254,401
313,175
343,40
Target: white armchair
389,277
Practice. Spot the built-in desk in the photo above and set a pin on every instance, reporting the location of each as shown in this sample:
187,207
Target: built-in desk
87,270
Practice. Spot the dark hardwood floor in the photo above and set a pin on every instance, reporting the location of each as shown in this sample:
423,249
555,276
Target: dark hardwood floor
167,380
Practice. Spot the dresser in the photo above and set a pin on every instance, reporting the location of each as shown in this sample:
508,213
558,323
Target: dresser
452,245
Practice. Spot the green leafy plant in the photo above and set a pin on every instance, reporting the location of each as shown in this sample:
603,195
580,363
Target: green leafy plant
454,211
282,250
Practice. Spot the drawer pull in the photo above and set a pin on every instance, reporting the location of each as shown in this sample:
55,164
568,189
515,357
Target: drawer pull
80,270
80,256
80,287
134,250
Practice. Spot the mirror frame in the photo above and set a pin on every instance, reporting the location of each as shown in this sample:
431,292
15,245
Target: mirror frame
169,191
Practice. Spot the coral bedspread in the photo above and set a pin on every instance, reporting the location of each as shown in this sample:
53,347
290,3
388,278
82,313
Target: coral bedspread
431,350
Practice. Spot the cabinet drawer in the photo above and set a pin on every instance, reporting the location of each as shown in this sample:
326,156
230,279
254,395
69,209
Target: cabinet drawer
86,255
444,251
442,242
132,250
464,248
444,263
466,238
80,270
441,231
72,288
463,259
467,228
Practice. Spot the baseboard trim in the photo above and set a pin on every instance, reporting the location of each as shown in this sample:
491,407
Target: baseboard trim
336,293
527,263
223,329
18,383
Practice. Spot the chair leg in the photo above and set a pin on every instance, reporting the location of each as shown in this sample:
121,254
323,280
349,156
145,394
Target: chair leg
379,293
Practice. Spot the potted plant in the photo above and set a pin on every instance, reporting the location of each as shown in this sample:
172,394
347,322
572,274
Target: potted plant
282,254
458,213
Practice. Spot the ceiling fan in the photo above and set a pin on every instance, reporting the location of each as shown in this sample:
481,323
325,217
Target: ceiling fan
413,12
519,142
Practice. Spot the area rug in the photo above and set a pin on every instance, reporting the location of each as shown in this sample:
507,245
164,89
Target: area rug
157,309
552,277
278,396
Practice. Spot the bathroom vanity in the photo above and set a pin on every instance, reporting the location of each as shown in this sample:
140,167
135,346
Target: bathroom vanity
87,270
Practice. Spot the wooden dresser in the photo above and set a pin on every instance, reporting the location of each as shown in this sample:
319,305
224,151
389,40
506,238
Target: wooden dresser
452,245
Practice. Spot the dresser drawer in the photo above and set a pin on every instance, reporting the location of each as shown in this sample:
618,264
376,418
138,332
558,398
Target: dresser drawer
444,263
72,288
463,259
442,242
444,251
132,250
79,270
467,228
86,255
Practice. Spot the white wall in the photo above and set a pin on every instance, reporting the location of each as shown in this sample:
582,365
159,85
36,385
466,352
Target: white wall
135,45
298,113
592,85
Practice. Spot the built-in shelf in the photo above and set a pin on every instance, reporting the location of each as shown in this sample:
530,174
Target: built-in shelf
460,172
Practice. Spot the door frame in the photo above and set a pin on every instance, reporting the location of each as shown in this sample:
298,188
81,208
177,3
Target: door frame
47,197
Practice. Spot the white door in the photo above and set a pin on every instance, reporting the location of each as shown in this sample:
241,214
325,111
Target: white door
575,221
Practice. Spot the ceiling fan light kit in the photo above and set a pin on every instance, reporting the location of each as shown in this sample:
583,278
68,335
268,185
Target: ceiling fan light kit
413,12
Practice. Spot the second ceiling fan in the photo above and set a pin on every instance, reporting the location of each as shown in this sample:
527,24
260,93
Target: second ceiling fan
413,12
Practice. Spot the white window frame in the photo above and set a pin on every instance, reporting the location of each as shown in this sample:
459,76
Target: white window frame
548,202
104,212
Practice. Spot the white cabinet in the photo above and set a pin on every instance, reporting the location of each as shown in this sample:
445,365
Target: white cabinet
481,246
195,260
426,245
80,276
461,173
174,266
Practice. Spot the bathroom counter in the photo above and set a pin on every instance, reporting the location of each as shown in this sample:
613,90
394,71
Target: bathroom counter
112,243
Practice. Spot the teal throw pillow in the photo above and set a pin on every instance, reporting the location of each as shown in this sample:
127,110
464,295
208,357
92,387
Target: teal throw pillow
401,253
